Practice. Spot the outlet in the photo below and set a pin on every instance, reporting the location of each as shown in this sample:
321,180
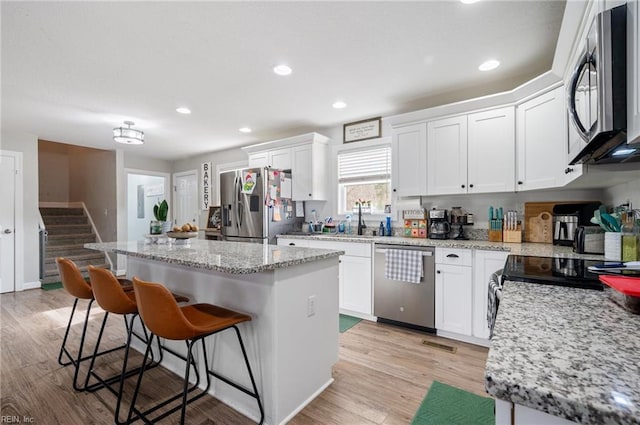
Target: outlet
311,306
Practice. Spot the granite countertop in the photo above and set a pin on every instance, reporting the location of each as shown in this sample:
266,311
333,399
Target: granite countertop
525,248
225,257
569,352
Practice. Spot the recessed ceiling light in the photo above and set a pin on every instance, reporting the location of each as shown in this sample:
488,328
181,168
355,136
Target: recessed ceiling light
282,70
489,65
339,104
183,110
244,130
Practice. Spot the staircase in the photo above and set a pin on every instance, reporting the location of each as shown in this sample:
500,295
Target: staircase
68,230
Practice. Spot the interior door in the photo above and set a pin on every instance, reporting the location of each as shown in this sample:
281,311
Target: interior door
185,186
7,223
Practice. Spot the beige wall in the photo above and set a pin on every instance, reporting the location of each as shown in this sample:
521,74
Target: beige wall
53,171
28,145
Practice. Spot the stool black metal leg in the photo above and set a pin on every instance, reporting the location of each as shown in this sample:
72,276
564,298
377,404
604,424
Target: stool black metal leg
253,381
82,338
63,348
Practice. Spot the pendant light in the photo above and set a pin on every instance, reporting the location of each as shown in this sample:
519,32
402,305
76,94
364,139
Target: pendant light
128,135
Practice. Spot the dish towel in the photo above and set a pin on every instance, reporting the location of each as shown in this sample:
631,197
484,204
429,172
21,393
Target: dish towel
494,294
403,265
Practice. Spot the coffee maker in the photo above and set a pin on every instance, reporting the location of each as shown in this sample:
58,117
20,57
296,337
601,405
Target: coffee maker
439,226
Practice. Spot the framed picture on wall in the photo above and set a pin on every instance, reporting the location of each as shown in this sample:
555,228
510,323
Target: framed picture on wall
215,218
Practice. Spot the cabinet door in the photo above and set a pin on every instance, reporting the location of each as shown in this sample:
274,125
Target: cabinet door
453,299
301,173
280,159
355,284
491,151
485,264
259,159
633,72
541,138
447,156
409,156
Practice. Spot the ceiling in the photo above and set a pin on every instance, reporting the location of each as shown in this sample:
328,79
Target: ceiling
71,71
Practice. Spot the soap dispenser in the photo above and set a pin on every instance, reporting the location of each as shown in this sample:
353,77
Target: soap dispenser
381,230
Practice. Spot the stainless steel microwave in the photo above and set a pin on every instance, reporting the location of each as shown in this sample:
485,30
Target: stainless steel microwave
597,99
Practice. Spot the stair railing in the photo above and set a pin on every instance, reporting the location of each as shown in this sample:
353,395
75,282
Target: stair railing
93,227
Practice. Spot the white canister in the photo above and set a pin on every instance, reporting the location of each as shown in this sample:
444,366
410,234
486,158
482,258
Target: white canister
613,246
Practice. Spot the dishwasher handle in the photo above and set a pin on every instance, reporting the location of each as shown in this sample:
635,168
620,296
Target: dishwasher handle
424,254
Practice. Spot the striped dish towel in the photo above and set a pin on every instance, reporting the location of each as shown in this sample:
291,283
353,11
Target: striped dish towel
404,265
493,299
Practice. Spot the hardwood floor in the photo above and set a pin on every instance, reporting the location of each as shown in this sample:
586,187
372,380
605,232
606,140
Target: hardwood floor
382,375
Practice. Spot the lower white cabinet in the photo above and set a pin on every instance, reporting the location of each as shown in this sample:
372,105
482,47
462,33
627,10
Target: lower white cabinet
355,273
484,265
454,292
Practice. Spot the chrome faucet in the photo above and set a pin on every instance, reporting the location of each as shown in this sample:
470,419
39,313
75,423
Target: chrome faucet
361,225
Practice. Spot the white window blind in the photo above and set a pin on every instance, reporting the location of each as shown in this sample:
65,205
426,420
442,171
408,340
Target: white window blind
364,165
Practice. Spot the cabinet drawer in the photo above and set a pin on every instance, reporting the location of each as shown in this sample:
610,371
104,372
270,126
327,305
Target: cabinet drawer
454,256
355,249
302,243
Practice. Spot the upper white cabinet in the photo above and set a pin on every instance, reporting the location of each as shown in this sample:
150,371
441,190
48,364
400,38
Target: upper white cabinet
491,151
633,71
541,137
409,156
304,155
472,153
447,156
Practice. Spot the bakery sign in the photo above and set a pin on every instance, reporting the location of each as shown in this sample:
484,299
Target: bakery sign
205,195
362,130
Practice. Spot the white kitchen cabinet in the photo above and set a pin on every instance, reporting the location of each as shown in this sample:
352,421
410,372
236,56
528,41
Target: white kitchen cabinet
309,172
491,151
541,137
484,265
454,292
355,273
280,159
409,156
259,159
633,72
447,156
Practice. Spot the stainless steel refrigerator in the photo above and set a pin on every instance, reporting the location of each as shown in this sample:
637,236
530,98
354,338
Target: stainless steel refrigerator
256,205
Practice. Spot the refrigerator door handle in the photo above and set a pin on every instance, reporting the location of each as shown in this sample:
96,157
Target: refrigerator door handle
239,205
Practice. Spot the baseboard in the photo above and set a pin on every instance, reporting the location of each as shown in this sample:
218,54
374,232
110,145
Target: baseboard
465,338
120,272
31,285
306,402
358,315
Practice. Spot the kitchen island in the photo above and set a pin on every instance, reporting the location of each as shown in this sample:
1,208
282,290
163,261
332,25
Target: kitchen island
563,354
291,295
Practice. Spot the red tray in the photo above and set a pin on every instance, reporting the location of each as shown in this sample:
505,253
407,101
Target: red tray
624,291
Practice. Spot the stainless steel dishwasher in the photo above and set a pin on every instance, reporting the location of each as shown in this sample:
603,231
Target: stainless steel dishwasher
404,302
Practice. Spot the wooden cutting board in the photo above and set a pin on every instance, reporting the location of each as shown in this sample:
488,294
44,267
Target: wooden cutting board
541,228
535,210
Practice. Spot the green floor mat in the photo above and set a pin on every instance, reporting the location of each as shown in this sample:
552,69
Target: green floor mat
50,286
449,405
347,322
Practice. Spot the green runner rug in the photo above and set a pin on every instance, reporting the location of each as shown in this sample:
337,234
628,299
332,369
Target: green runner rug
50,286
449,405
347,322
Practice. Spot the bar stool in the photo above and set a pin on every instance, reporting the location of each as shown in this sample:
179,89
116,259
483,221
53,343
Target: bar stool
191,323
75,284
112,298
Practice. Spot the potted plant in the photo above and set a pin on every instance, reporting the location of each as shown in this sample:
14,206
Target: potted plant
160,224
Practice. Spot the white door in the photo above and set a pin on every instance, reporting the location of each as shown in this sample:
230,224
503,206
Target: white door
453,299
355,283
185,198
7,223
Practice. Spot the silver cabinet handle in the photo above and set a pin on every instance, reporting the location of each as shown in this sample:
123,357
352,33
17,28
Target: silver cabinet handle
424,254
7,231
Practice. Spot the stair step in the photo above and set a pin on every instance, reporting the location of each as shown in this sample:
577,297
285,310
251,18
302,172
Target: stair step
51,276
68,229
77,239
46,211
64,219
79,259
68,251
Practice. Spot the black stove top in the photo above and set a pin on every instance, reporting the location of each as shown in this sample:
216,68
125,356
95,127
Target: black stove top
571,272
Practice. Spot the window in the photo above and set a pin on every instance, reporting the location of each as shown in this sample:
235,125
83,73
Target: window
364,177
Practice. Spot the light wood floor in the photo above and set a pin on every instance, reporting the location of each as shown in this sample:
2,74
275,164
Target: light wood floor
382,375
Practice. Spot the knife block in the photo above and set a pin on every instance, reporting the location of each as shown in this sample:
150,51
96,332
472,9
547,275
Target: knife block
512,236
495,235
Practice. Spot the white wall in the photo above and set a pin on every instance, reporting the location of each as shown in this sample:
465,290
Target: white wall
138,162
622,193
28,145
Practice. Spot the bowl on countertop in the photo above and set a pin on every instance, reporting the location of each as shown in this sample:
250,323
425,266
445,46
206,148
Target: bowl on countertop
182,235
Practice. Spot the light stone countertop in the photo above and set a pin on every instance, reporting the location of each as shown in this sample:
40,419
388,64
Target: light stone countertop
225,257
525,248
569,352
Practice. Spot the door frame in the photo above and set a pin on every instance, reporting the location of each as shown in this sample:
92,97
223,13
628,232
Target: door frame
173,186
167,187
18,233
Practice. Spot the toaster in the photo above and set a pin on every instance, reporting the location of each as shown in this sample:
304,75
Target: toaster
588,240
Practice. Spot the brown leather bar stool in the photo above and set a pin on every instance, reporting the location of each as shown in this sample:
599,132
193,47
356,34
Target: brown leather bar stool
112,298
191,323
75,284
